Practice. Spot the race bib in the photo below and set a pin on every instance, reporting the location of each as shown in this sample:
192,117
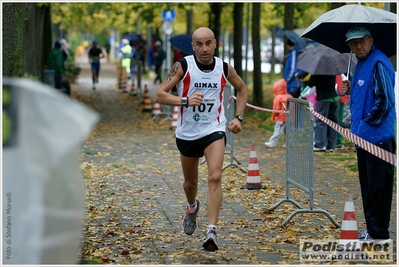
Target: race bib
204,113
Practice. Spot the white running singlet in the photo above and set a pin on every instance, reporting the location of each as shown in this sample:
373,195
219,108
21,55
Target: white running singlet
199,121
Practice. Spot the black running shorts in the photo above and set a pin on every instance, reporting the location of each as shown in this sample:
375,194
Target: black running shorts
196,148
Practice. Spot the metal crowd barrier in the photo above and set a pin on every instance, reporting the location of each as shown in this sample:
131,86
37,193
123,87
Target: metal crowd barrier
299,157
168,111
229,114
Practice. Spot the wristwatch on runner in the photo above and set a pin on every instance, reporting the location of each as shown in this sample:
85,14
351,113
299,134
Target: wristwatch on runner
184,101
240,118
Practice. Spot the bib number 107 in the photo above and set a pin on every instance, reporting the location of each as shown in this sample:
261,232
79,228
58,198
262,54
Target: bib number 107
203,107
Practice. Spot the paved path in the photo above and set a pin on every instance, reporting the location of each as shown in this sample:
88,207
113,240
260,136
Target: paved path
135,200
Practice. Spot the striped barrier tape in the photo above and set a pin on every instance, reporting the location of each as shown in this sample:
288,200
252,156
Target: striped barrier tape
258,108
366,145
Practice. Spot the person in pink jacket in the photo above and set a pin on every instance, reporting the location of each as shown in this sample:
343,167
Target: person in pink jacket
279,103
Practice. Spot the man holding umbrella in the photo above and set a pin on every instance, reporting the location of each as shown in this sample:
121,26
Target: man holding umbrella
373,119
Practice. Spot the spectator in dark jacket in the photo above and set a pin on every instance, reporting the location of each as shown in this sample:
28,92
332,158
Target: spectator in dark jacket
159,57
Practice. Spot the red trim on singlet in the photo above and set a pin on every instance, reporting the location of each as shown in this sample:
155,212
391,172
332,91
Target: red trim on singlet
223,84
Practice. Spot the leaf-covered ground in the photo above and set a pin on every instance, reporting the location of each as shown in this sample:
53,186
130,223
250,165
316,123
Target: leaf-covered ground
135,201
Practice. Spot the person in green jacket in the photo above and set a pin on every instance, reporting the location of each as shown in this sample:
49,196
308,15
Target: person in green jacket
127,54
56,63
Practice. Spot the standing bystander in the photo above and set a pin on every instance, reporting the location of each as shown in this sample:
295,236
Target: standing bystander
290,70
56,63
126,56
372,102
327,106
159,57
141,54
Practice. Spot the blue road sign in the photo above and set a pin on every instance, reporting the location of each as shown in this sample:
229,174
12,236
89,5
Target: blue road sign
169,15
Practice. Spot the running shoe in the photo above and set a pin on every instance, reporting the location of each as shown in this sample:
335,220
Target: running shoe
189,222
269,145
319,149
210,243
365,236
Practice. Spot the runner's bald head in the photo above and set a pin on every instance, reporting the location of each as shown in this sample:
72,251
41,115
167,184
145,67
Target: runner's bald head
203,32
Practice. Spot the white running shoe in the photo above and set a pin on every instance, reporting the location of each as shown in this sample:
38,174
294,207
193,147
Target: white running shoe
269,145
210,243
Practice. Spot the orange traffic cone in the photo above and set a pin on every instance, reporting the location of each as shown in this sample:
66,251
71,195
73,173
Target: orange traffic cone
174,118
349,232
253,175
147,100
156,109
133,90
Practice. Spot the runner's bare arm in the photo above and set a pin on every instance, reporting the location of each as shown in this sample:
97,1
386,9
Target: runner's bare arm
163,96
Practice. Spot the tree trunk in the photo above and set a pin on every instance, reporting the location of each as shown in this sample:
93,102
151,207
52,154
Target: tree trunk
238,37
190,14
288,23
13,39
288,20
37,44
214,22
47,42
26,39
257,73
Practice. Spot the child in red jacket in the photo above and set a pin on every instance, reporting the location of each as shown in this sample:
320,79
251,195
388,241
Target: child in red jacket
279,103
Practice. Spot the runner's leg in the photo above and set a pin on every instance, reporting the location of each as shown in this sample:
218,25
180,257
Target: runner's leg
214,155
190,172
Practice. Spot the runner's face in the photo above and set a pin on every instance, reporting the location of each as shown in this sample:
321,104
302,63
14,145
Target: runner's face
204,45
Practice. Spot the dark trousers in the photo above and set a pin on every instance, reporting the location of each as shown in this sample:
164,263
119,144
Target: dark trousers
325,135
376,184
59,83
158,71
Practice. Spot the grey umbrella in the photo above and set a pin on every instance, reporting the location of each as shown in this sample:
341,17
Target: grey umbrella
330,28
322,60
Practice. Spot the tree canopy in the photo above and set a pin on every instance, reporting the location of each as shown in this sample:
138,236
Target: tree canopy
136,16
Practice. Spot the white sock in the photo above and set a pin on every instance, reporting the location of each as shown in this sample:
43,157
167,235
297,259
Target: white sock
211,226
